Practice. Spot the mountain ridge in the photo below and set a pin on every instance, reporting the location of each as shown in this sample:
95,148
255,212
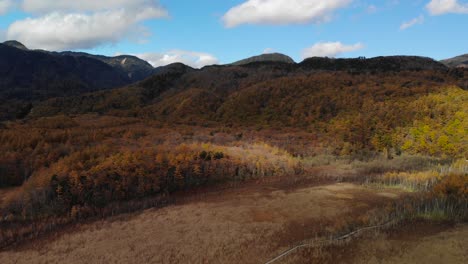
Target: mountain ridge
75,82
460,61
15,44
177,88
135,68
28,76
269,57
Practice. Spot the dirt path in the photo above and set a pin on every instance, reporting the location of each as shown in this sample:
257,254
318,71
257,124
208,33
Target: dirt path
236,226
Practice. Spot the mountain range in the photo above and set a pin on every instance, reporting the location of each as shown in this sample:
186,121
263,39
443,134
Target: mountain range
36,83
28,76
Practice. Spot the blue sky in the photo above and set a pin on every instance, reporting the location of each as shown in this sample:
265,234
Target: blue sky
213,31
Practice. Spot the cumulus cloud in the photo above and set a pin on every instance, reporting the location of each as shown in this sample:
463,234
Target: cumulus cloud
5,6
190,58
441,7
280,12
329,49
268,50
412,22
85,24
59,31
372,9
49,6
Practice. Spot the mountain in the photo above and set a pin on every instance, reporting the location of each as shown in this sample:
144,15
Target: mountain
28,76
40,83
260,91
457,62
388,63
15,44
272,57
134,68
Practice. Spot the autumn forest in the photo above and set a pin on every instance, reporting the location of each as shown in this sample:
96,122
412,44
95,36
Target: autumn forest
388,123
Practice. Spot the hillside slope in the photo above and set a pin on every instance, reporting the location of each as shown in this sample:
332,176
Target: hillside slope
133,67
215,91
26,74
271,57
358,103
29,76
377,64
459,61
15,44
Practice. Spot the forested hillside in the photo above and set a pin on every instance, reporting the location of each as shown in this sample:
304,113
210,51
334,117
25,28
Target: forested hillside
135,69
83,155
246,131
457,62
359,104
31,76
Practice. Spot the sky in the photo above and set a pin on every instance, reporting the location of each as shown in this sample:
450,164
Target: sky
205,32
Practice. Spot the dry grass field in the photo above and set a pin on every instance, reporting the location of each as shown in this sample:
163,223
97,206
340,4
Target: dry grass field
5,194
415,243
250,224
423,245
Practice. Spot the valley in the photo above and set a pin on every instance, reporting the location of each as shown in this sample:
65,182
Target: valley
107,159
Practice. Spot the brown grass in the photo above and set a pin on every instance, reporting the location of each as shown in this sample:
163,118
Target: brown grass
6,193
237,226
417,242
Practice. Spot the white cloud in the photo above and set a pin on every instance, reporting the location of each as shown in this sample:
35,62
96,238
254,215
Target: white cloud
282,12
372,9
82,30
5,6
57,31
190,58
441,7
419,20
329,49
268,50
49,6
